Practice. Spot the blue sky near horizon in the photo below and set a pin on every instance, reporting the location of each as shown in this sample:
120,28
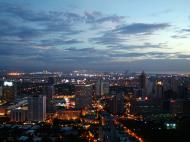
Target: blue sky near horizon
105,35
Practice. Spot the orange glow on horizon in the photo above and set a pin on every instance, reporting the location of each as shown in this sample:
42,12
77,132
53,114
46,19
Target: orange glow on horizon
15,73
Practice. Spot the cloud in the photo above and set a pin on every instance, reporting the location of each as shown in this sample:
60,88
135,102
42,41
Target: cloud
107,39
186,30
181,33
118,37
141,28
146,45
183,56
28,23
57,42
145,55
97,17
118,42
23,13
74,49
179,36
63,39
10,29
99,21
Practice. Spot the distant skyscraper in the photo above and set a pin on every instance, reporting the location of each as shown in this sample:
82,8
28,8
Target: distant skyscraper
37,108
159,89
150,85
9,91
102,87
143,83
83,94
116,104
98,88
1,91
183,90
48,91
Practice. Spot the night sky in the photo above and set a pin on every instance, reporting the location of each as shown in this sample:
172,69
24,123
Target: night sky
104,35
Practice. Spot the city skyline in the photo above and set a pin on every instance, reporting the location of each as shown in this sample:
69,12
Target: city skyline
99,35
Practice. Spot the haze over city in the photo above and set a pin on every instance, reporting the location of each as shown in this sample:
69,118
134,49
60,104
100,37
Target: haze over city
103,35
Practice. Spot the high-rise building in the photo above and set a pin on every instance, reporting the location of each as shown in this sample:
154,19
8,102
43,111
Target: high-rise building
65,89
143,83
159,89
9,91
37,108
52,80
116,104
102,87
98,88
1,91
180,106
18,115
140,106
83,96
150,85
48,91
183,90
121,90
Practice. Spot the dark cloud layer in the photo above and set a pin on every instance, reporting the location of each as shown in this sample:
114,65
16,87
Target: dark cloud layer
141,28
97,17
146,45
107,39
60,40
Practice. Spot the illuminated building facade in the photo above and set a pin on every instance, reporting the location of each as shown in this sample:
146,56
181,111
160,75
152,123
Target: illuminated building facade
3,112
67,114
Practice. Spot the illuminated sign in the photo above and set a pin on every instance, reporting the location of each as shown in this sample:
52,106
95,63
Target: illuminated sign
6,83
159,83
170,125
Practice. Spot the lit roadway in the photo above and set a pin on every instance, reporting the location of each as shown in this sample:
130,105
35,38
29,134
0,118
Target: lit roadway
99,107
128,131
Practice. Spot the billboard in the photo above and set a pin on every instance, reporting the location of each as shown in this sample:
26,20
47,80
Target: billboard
8,83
